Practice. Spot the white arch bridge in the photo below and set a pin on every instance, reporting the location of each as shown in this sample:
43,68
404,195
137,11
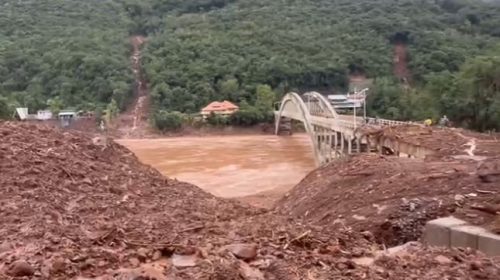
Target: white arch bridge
334,135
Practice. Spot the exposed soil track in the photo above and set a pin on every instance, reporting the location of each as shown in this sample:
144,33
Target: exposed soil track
401,61
133,122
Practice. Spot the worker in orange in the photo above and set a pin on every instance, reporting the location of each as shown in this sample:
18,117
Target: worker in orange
428,122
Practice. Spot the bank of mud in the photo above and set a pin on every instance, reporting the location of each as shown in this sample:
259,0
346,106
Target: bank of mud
75,207
393,197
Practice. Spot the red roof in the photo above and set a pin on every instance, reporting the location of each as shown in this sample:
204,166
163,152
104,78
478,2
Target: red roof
220,106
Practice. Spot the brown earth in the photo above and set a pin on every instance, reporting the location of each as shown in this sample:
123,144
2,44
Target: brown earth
394,197
441,141
74,207
133,123
400,60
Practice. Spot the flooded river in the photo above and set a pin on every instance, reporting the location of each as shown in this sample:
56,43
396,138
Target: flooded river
229,166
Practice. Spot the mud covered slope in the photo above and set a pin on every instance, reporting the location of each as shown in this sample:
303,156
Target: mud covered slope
73,207
437,142
394,197
66,193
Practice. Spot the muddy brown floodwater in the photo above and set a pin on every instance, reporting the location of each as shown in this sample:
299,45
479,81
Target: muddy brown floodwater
230,166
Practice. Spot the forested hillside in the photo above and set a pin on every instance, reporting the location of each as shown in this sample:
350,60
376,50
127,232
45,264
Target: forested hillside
64,53
225,51
202,50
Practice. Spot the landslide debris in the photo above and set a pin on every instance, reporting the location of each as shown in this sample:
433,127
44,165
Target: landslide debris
81,200
441,141
75,207
394,197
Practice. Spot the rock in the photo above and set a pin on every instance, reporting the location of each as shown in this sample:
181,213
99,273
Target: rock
79,258
412,206
126,273
358,217
45,269
99,141
135,262
21,268
243,251
156,255
459,197
87,181
184,260
88,263
5,247
368,235
279,254
442,260
152,273
357,252
142,254
58,265
475,265
249,272
364,261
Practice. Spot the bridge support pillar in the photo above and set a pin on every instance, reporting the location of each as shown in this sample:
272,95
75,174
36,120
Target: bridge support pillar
368,145
335,136
342,140
349,146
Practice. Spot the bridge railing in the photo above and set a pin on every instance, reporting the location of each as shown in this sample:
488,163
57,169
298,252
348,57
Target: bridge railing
317,109
386,122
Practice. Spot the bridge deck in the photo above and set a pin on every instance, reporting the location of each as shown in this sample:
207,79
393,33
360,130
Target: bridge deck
332,134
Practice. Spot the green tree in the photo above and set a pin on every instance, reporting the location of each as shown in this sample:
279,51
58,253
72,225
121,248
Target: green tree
265,98
248,116
229,89
5,110
217,120
55,105
111,111
167,121
477,94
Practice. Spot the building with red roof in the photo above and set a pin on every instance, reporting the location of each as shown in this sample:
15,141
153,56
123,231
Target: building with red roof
224,108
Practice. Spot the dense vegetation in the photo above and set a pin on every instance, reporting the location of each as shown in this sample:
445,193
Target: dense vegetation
62,53
470,97
226,52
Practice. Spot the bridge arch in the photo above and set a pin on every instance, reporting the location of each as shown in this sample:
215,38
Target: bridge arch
332,135
324,108
293,107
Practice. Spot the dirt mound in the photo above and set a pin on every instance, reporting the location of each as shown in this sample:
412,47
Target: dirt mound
74,207
437,142
69,196
394,197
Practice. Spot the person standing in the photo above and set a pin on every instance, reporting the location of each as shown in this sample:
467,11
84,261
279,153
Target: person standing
428,122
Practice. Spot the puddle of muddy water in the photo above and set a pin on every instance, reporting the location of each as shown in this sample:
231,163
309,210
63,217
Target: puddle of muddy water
229,166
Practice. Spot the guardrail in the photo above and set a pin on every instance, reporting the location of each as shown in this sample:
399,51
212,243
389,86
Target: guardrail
385,121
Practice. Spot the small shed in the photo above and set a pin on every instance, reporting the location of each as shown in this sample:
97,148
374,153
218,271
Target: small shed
67,117
43,115
22,113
